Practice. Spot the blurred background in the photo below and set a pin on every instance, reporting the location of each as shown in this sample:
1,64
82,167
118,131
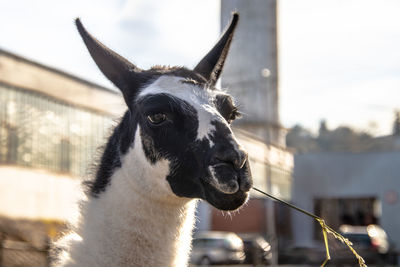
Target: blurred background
318,83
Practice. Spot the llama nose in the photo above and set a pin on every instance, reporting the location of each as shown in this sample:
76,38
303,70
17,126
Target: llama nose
235,157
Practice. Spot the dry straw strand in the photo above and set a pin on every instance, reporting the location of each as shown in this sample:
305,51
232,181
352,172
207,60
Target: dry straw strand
325,231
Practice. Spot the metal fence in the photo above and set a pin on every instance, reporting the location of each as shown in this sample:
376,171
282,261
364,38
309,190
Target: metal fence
42,132
21,254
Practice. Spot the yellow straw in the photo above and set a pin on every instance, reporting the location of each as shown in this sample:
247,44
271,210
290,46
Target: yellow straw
325,230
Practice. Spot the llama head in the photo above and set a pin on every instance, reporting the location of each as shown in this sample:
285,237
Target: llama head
184,119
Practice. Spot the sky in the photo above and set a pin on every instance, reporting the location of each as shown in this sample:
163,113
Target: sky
339,60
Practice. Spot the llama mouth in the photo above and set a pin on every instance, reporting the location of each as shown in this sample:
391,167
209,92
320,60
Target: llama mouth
226,188
224,201
223,178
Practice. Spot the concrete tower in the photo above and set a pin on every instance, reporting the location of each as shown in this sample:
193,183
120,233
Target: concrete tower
251,70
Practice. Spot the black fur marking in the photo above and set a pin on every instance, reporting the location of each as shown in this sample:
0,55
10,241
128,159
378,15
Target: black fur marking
123,135
169,139
189,169
176,142
118,144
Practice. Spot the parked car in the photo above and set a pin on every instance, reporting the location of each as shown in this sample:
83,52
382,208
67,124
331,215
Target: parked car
217,248
257,249
371,242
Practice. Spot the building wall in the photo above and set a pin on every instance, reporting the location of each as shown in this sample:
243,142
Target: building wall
252,218
268,162
51,125
27,193
346,175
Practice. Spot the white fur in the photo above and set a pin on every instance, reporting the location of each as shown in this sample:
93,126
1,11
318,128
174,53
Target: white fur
137,221
199,98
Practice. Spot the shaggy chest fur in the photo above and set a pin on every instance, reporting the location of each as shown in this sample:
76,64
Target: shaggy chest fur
134,222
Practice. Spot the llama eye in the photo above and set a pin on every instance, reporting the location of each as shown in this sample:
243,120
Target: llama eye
234,115
157,118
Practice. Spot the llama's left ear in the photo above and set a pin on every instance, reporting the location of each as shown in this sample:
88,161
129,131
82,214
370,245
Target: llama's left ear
210,67
125,75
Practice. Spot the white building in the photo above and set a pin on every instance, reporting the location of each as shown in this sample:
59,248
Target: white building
343,188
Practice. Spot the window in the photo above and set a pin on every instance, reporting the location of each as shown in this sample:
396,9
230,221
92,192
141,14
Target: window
40,132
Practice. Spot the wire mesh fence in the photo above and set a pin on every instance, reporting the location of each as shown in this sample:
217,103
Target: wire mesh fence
22,254
41,132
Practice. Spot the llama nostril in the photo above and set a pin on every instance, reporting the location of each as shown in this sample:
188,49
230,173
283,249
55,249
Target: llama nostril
235,158
241,159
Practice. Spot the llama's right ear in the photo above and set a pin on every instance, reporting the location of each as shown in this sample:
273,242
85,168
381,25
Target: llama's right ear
210,67
125,75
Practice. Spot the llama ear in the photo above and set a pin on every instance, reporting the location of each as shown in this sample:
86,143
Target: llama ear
210,67
123,74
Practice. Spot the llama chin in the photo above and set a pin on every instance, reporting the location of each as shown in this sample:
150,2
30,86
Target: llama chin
173,146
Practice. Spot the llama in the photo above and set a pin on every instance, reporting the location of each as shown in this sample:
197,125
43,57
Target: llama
173,146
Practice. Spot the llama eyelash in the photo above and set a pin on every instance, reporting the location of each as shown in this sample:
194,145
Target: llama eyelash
235,114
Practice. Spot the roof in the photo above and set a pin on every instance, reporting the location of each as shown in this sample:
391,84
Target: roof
346,174
25,74
55,70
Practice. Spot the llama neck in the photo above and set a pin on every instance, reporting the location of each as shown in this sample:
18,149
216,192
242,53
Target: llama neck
137,221
137,233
